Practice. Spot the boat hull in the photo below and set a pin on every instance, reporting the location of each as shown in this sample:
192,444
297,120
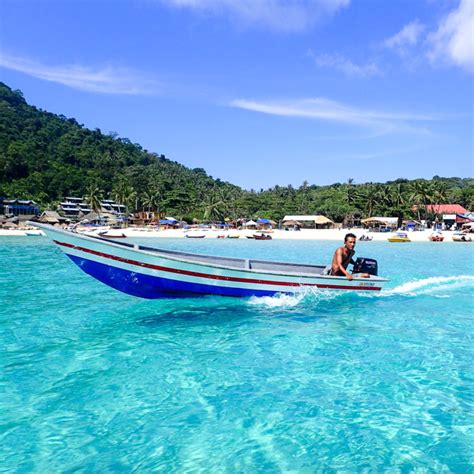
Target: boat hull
152,273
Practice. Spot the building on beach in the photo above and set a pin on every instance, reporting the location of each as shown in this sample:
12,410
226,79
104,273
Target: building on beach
23,209
380,224
450,214
314,222
76,209
52,218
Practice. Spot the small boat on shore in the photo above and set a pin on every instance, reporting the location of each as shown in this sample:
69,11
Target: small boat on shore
399,237
109,235
262,237
152,273
195,236
461,237
436,237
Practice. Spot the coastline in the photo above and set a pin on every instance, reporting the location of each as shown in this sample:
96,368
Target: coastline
303,234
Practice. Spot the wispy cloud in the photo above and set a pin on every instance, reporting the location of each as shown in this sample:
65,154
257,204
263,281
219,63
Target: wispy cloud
280,15
407,37
344,65
105,80
332,111
453,41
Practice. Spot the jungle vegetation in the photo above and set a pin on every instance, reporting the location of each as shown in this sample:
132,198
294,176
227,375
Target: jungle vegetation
45,157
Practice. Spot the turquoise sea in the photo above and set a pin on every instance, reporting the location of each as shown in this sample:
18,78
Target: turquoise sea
92,380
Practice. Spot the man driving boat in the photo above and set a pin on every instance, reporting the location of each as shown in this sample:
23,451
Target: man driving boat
343,257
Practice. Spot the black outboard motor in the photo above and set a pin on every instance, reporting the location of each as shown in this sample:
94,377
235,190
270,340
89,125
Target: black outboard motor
365,265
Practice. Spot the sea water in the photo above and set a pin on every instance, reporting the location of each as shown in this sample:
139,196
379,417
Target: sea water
93,380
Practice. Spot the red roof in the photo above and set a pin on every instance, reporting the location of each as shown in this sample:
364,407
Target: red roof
446,208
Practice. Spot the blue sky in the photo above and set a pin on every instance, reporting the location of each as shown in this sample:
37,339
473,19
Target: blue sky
259,92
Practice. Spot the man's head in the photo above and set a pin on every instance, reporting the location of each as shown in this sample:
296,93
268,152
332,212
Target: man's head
350,241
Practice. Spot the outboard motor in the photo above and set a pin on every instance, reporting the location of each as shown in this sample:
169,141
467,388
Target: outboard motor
365,265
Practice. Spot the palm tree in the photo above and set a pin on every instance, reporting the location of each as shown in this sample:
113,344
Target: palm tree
420,195
94,196
213,206
150,200
369,196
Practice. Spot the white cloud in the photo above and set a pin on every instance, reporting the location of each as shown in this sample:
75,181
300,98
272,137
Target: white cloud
406,37
344,65
281,15
454,39
328,110
107,80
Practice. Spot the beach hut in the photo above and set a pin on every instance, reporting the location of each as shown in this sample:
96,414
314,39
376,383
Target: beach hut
265,223
250,224
315,221
380,224
51,217
168,222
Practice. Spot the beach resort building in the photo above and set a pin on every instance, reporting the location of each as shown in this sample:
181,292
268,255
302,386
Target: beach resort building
450,214
22,209
76,208
315,222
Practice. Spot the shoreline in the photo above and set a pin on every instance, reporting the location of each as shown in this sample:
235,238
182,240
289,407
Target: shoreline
303,234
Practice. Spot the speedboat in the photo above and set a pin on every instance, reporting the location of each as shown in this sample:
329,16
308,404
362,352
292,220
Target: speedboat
461,237
436,237
399,237
158,273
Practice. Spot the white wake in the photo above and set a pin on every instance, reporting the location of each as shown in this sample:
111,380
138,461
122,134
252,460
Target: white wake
439,287
311,296
432,285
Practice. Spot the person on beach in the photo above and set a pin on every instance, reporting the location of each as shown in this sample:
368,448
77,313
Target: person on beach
343,257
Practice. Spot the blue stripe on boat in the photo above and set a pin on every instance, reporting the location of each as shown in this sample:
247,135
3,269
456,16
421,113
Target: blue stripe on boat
152,287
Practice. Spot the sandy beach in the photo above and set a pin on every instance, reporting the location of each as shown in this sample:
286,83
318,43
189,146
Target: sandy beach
304,234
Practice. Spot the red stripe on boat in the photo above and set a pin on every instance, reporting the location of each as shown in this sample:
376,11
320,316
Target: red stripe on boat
212,277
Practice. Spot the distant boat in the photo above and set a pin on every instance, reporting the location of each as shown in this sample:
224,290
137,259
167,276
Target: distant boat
158,273
461,237
197,236
399,237
436,237
262,237
108,235
34,232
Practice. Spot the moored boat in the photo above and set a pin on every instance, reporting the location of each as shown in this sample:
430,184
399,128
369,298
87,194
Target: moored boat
436,237
262,237
399,237
461,237
157,273
111,235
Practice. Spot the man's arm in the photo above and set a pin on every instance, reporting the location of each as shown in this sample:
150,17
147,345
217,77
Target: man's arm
340,266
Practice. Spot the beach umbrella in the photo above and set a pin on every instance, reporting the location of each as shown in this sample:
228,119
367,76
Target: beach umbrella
263,221
250,223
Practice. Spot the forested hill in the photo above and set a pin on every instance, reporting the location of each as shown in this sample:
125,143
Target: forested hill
46,157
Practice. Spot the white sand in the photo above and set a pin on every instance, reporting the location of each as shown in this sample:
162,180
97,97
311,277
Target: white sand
304,234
